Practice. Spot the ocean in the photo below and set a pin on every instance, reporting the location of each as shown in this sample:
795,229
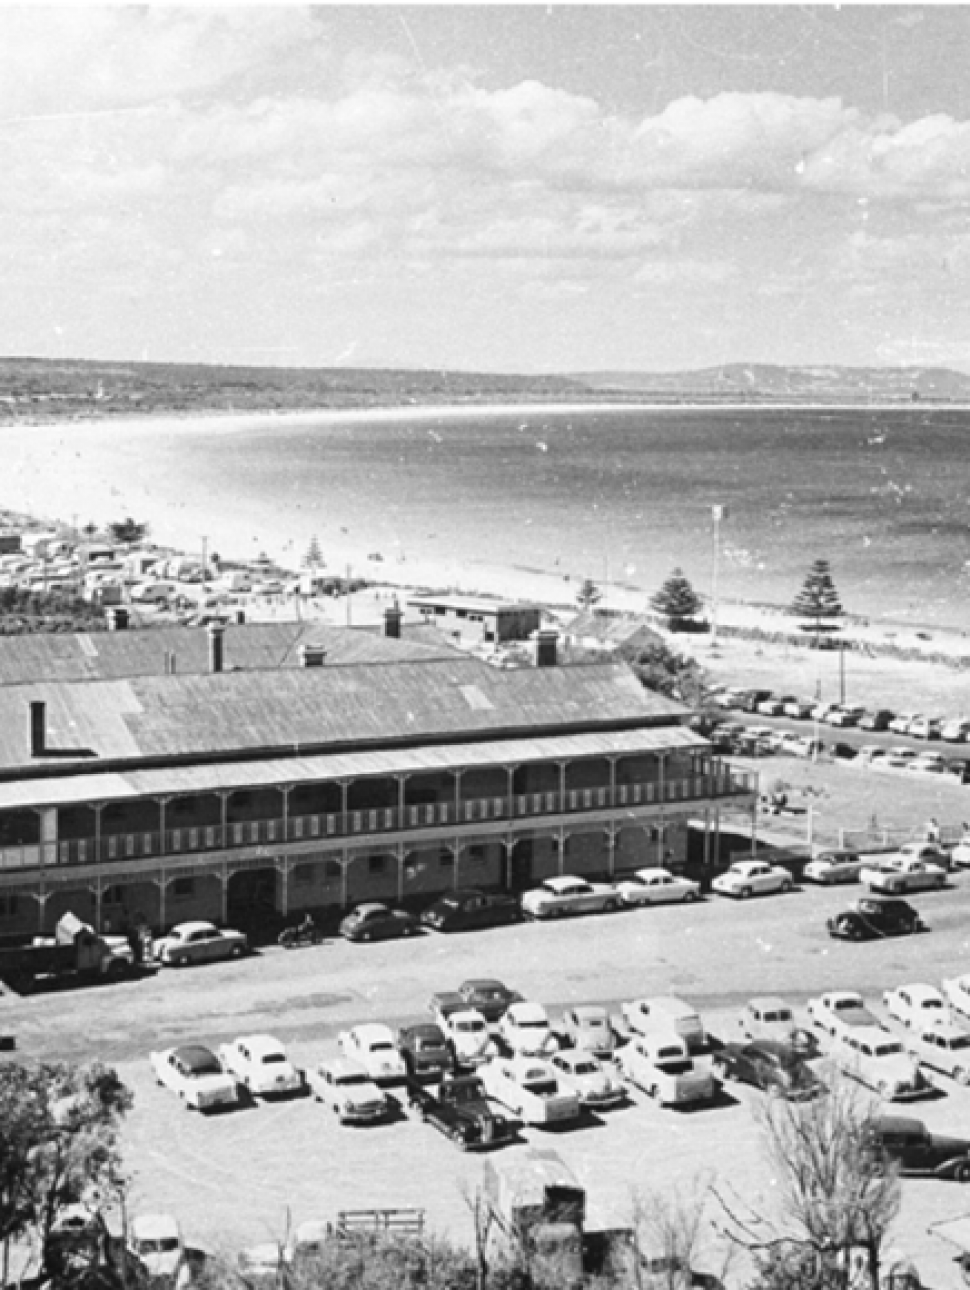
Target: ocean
621,496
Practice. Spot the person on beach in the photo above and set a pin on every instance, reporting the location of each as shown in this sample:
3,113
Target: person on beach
932,830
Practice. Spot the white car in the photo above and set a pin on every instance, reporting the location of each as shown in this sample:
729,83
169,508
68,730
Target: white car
877,1059
195,1074
556,897
839,1011
260,1064
579,1072
156,1240
832,867
916,1005
752,878
467,1032
372,1044
656,887
956,730
960,855
525,1028
348,1090
845,716
942,1045
662,1066
665,1014
956,990
899,874
530,1088
199,942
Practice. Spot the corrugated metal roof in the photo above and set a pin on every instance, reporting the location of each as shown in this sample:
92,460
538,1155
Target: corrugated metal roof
296,770
310,708
143,652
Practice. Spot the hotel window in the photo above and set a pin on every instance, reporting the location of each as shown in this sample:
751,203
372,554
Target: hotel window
332,869
113,895
183,888
446,860
376,864
8,906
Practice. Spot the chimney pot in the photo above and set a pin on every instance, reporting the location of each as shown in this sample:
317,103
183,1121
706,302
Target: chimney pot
392,621
38,728
216,646
546,647
312,655
117,619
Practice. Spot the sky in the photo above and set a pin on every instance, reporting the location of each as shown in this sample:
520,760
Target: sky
516,188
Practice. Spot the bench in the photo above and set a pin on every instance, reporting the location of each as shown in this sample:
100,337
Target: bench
378,1222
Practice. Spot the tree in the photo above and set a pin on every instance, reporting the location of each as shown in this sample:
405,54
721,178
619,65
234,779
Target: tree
677,601
314,556
818,601
129,532
659,668
59,1128
837,1199
588,595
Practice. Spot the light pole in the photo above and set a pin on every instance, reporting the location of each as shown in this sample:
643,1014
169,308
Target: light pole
204,556
718,513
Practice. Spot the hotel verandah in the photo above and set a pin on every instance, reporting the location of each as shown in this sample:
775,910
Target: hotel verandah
256,771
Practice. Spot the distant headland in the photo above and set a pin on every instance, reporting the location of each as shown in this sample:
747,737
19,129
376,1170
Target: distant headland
40,389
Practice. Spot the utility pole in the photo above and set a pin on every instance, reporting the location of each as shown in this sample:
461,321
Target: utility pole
204,557
718,513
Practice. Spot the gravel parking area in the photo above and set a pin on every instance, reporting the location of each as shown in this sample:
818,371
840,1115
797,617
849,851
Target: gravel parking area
236,1179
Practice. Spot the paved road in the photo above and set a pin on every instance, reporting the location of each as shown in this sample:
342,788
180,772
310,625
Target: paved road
235,1178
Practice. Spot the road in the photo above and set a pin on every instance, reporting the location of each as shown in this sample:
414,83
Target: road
234,1179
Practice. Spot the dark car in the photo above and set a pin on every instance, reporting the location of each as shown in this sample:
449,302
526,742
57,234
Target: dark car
489,997
872,917
425,1049
772,1066
749,700
466,910
376,922
910,1144
459,1108
878,719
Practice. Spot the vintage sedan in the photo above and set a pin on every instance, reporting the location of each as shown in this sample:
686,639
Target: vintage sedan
466,1030
195,1074
199,942
839,1011
156,1239
471,909
873,917
942,1045
260,1064
768,1018
956,989
530,1088
525,1028
588,1027
752,878
557,897
488,996
376,922
769,1065
831,867
425,1050
657,887
372,1045
900,874
347,1088
914,1005
662,1066
582,1074
877,1059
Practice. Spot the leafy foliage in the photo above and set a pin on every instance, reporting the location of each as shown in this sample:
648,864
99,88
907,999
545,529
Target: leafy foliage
588,594
129,532
23,611
661,669
818,601
676,600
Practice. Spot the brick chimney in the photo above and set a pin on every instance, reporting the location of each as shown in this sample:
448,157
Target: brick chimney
312,655
38,728
546,647
392,621
216,646
117,619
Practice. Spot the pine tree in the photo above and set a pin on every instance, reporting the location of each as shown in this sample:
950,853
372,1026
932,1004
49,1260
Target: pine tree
588,595
314,556
677,601
818,601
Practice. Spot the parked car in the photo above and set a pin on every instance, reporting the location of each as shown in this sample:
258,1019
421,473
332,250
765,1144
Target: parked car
588,1027
425,1050
465,1029
902,721
928,852
872,917
804,746
956,990
752,878
471,909
199,942
459,1108
656,887
374,921
347,1088
876,719
924,728
666,1014
525,1028
260,1064
877,1059
662,1066
845,716
556,897
772,1066
915,1150
529,1087
942,1045
897,874
156,1239
956,730
768,1018
372,1045
839,1011
775,705
897,758
830,867
960,855
748,700
914,1005
799,708
488,996
581,1073
195,1074
929,764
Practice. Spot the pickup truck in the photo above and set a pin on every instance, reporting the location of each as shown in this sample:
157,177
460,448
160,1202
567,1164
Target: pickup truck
75,951
895,875
662,1066
839,1011
459,1109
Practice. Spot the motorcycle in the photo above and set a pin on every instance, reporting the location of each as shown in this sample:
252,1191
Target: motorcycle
295,938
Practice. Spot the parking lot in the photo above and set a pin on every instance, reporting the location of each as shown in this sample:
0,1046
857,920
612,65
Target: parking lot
238,1178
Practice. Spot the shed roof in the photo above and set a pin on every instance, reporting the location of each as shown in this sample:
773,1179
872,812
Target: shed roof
474,604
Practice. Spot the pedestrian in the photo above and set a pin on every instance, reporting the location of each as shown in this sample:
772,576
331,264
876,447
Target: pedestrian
932,830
